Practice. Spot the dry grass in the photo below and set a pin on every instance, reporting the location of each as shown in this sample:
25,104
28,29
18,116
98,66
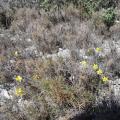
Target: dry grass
55,87
49,36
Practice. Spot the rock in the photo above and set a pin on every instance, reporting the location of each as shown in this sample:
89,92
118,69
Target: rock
106,48
117,45
64,53
115,87
4,94
30,51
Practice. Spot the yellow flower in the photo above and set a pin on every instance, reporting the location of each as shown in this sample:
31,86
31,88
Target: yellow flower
104,79
84,63
18,78
95,66
19,92
99,71
98,49
16,53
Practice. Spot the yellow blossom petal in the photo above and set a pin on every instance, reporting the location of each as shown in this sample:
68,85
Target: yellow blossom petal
99,72
95,67
18,78
104,79
84,63
98,49
19,92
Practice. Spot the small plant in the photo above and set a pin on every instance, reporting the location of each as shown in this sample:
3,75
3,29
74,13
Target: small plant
98,49
95,66
18,78
104,79
19,91
45,5
84,63
99,72
109,17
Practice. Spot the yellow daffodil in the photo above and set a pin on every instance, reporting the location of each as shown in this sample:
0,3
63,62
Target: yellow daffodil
18,78
19,92
99,71
95,67
98,49
84,63
104,79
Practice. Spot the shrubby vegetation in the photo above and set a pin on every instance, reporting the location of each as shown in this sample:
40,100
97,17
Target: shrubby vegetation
109,17
88,5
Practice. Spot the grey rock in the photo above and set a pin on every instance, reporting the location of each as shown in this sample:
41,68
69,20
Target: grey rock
4,94
62,53
115,87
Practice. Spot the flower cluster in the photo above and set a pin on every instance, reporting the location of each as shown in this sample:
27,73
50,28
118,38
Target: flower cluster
96,67
18,78
19,91
84,63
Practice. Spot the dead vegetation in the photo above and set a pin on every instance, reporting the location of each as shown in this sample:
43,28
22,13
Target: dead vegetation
54,88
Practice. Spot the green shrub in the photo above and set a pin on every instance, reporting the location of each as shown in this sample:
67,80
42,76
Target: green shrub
107,4
109,17
89,5
51,4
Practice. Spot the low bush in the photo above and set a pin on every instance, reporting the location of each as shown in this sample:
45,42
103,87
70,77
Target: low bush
109,17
